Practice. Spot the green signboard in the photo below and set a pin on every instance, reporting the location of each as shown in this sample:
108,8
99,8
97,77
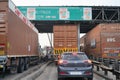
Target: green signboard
56,13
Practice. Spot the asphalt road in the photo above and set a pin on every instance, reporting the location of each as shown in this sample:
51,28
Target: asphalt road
50,73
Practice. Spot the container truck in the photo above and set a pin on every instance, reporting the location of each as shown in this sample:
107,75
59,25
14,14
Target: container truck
102,44
18,39
65,38
103,41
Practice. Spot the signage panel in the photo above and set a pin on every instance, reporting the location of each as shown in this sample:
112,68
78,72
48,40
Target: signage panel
57,13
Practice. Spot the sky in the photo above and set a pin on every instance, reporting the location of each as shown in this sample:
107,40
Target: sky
43,38
67,2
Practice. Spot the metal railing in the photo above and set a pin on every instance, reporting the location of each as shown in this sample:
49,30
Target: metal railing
115,70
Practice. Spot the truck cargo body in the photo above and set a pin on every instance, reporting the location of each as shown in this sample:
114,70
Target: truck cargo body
65,38
103,41
82,43
18,37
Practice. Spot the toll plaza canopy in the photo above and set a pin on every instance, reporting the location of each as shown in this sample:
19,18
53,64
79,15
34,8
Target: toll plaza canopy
44,17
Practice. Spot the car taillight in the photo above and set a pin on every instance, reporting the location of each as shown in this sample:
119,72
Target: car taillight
62,73
62,62
88,73
88,61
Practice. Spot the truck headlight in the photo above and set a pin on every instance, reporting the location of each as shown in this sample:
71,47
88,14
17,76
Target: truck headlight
1,66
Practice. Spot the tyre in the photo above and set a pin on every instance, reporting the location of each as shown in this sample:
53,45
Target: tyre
60,79
21,65
90,78
13,69
26,64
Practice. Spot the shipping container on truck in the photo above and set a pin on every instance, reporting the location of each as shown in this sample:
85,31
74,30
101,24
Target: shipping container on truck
82,43
18,39
103,41
65,38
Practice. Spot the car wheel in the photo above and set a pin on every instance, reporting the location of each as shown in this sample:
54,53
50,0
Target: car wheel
59,78
90,78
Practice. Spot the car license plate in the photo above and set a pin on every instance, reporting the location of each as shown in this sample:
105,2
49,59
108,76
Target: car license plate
75,73
1,66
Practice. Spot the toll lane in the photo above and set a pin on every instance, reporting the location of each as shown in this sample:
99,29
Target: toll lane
50,73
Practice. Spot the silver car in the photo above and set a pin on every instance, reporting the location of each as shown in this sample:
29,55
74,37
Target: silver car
75,64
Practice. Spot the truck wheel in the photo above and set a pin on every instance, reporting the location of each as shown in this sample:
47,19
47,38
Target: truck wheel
21,65
13,69
26,64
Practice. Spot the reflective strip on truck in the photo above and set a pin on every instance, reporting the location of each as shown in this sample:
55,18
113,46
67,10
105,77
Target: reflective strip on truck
61,50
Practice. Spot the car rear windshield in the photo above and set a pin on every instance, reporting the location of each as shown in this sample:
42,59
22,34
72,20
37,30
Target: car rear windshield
77,56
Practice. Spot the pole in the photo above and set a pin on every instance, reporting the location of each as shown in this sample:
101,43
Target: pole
78,37
49,40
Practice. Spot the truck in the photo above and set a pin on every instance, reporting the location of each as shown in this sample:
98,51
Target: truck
18,39
102,42
65,38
